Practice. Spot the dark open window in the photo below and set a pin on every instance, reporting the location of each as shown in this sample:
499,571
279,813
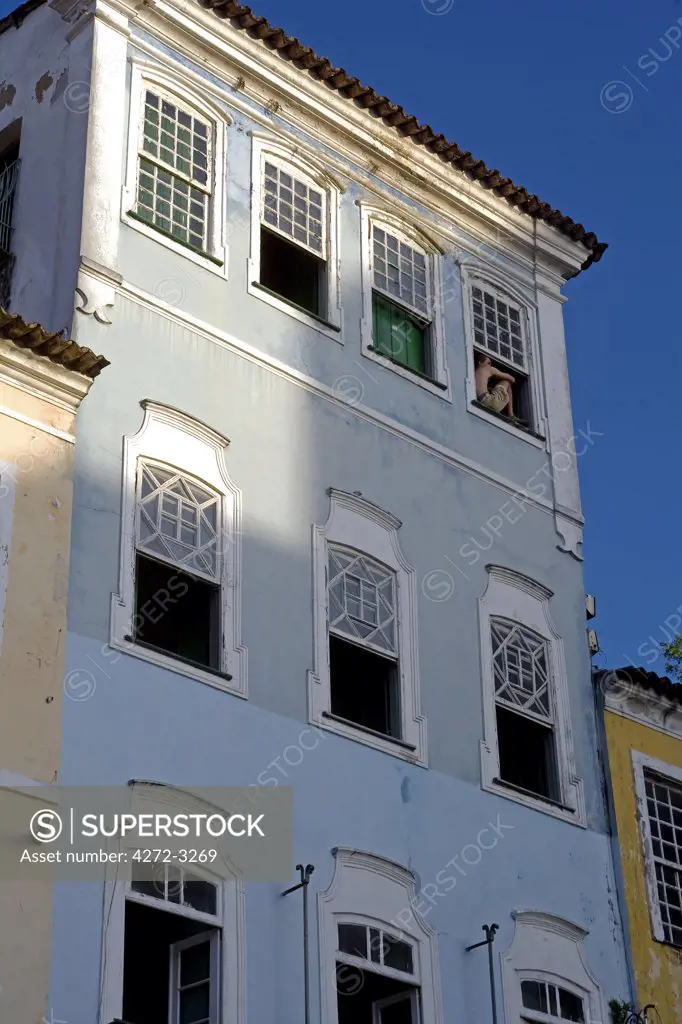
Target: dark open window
527,753
9,177
364,687
292,272
521,405
176,612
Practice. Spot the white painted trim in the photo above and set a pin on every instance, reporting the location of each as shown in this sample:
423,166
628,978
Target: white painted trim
42,379
548,948
520,599
369,889
642,763
6,520
313,386
358,524
304,163
30,422
183,91
231,920
473,273
382,217
171,437
628,700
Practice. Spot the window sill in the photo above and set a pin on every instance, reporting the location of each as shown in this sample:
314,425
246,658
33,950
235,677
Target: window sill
370,732
422,380
518,429
534,801
204,259
318,323
173,663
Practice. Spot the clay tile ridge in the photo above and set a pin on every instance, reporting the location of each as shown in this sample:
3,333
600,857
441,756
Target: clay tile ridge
642,679
61,351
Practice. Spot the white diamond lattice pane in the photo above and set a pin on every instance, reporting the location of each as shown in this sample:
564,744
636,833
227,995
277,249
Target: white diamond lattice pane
361,596
497,326
520,668
178,520
398,269
293,207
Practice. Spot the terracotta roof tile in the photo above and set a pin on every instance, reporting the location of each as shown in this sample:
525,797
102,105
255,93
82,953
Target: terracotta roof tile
304,58
62,351
641,679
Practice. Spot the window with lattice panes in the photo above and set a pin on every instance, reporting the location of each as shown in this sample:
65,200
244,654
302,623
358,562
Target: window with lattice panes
177,571
381,972
363,642
400,301
664,811
524,711
500,353
546,1003
293,246
174,180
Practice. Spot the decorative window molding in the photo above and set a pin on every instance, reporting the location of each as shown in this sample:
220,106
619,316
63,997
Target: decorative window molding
658,791
177,169
360,529
549,950
517,350
223,923
368,891
518,607
308,218
179,448
401,270
6,518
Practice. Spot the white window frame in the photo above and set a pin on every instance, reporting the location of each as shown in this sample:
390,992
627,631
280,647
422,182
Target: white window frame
412,997
473,275
362,526
214,938
644,764
516,598
369,890
177,441
369,217
6,518
304,166
229,920
548,948
182,93
537,1016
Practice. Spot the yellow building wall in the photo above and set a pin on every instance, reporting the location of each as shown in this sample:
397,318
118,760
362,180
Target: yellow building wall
657,966
32,668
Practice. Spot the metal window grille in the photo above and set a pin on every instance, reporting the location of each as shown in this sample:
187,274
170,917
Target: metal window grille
520,667
361,599
174,178
399,270
9,177
178,520
293,207
664,806
498,326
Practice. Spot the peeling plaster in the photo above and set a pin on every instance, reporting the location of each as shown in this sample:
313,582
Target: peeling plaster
7,94
60,86
42,85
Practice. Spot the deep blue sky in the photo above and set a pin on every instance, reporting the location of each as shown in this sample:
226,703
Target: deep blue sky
520,85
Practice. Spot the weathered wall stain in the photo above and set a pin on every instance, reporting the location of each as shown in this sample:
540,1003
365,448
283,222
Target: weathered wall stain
60,85
7,94
42,85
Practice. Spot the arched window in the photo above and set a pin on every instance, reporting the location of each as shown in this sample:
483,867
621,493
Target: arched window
402,318
173,190
294,250
179,594
379,958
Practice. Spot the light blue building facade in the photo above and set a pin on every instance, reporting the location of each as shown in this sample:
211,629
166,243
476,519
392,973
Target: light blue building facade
310,549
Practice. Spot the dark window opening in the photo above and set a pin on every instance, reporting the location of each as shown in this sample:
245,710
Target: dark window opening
527,754
400,335
364,687
149,961
9,176
509,399
292,272
177,613
368,998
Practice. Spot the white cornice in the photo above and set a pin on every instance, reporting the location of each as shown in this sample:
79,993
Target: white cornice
198,35
181,421
550,923
42,379
628,700
521,582
356,503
